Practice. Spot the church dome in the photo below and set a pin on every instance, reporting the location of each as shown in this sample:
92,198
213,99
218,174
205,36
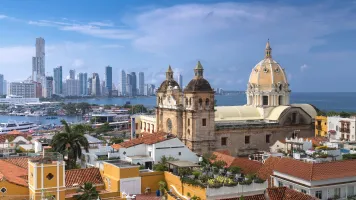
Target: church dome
166,83
268,74
198,83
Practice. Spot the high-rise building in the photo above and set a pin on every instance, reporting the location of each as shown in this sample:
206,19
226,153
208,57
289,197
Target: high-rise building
123,83
1,84
133,83
49,87
85,84
57,80
141,83
103,89
4,87
180,80
71,87
129,85
26,90
151,89
81,83
38,62
72,74
108,80
90,86
95,85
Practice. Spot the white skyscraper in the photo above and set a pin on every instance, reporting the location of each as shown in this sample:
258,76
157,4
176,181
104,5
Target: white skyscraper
38,62
26,90
141,83
123,83
180,80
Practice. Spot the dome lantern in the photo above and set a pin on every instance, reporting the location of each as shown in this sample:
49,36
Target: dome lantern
268,50
198,70
169,73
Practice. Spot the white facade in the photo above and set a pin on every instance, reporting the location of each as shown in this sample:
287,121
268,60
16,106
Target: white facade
18,100
26,90
344,128
72,87
38,62
147,153
324,189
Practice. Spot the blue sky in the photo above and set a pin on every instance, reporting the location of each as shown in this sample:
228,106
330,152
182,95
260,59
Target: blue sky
313,40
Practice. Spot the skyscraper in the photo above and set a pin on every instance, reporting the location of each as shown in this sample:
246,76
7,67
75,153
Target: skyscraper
85,84
1,84
128,85
72,74
95,85
38,62
108,80
133,82
49,87
58,81
81,83
4,87
123,83
141,83
90,86
180,80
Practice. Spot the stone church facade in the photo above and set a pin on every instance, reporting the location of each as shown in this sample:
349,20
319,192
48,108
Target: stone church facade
268,116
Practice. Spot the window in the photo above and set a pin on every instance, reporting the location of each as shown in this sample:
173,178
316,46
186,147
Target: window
319,194
265,100
188,132
186,101
179,153
150,153
49,176
223,141
247,139
268,137
280,184
303,191
337,192
280,100
190,101
200,102
204,122
3,190
207,102
169,125
337,128
188,122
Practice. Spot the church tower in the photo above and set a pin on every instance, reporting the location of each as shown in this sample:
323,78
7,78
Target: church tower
169,106
198,117
267,86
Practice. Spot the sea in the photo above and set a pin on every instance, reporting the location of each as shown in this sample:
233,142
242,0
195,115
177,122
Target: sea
326,101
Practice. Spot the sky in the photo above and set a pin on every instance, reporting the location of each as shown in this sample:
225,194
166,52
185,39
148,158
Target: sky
313,40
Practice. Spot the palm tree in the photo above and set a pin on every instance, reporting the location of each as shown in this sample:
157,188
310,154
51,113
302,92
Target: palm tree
70,143
88,192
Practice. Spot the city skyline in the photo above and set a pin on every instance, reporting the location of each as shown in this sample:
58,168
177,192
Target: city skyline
224,36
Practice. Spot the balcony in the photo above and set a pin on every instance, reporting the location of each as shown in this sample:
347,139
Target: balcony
345,130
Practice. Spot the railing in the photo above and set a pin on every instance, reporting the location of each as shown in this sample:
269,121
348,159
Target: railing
238,189
47,158
345,130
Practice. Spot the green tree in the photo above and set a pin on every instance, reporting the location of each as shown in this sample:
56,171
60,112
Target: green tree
88,192
107,107
162,165
162,187
116,140
70,109
104,128
83,107
70,143
345,114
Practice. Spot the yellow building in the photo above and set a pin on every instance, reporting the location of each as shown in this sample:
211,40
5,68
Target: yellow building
321,126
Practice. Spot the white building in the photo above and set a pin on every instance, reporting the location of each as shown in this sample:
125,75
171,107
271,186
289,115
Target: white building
38,62
12,100
57,80
290,144
150,148
26,90
71,87
48,89
328,180
342,128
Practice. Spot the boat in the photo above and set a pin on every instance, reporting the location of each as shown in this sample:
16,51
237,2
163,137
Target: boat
52,117
13,125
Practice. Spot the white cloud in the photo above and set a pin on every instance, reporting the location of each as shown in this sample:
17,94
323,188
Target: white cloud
111,46
77,63
3,16
303,67
108,24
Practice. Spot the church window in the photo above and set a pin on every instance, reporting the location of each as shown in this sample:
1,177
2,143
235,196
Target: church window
223,141
247,139
186,101
268,138
207,102
188,122
265,100
280,100
190,101
204,122
188,132
200,102
169,125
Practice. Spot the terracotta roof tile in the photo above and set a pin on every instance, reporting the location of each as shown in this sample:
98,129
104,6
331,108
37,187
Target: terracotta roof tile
3,137
267,168
247,166
317,171
254,197
283,193
81,176
146,139
13,173
20,161
224,151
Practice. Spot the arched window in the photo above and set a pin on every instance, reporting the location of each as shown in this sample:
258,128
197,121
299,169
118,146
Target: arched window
188,132
200,102
186,101
207,102
169,125
188,122
190,101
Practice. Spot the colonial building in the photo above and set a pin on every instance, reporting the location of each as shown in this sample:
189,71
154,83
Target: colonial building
267,116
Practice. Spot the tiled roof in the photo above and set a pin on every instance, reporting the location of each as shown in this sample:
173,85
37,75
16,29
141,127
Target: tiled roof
247,166
267,168
146,139
3,137
283,193
317,171
20,161
254,197
12,173
81,176
15,132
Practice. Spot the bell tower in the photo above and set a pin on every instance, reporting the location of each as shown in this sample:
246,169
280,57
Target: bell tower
199,115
